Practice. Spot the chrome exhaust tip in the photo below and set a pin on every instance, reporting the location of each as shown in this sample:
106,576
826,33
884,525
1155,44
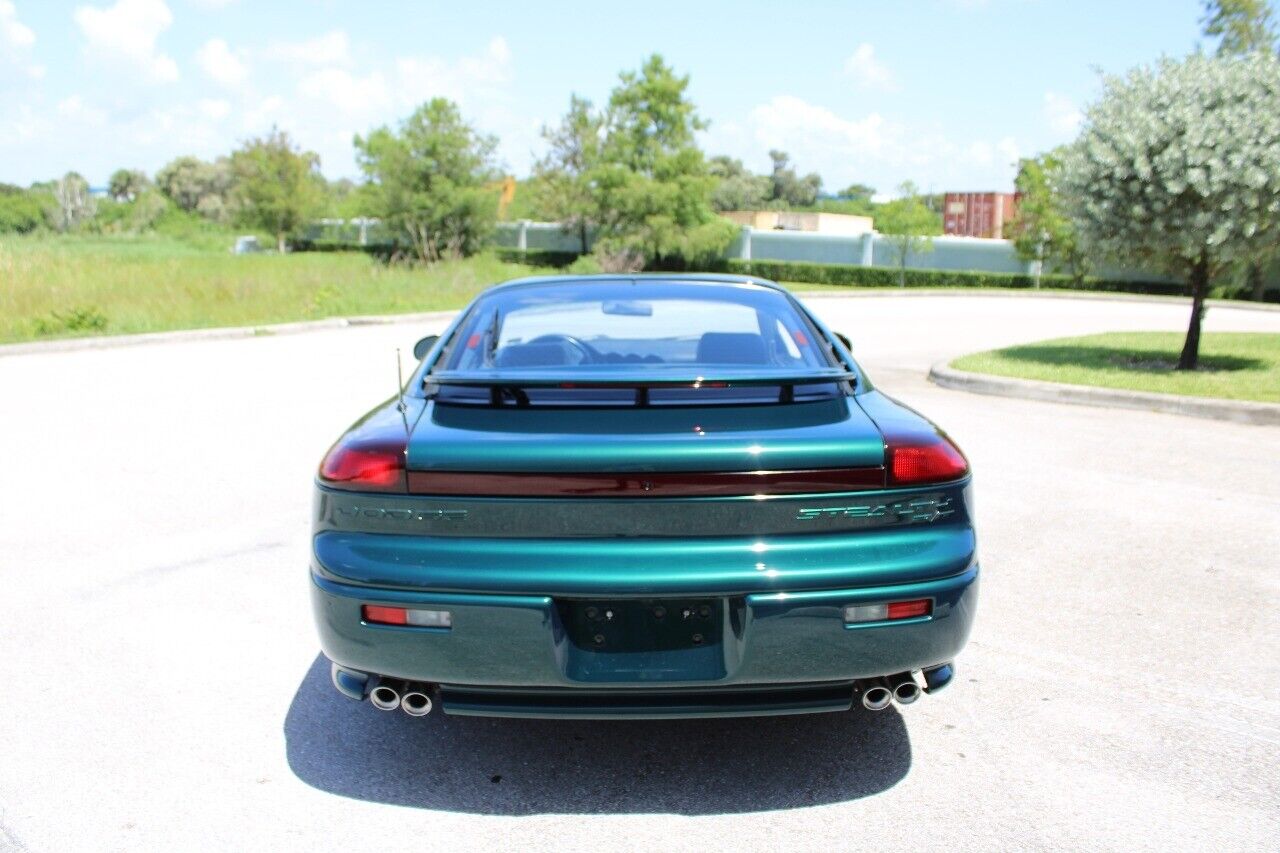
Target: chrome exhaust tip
905,688
416,702
385,697
876,696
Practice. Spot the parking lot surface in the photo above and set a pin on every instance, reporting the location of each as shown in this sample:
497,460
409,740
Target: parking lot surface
163,690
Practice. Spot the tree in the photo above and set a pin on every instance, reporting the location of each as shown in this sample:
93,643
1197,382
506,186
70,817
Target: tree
73,205
1043,231
857,192
737,188
653,189
127,184
196,186
1178,166
789,188
1242,25
563,177
431,179
909,224
276,185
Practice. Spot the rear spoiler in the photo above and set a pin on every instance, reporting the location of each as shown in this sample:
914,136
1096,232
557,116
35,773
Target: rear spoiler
515,381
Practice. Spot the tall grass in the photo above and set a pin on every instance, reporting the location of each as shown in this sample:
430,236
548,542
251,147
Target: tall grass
74,285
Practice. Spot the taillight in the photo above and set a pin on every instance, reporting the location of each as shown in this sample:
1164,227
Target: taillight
367,466
917,459
888,611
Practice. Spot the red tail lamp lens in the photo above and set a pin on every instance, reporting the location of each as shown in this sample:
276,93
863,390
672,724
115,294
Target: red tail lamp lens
909,609
372,468
380,615
925,460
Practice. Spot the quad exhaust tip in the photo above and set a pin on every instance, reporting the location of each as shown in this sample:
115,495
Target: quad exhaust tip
905,689
416,702
385,696
876,696
879,693
412,698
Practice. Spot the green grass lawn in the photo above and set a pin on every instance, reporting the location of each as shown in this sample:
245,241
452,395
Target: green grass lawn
63,286
1233,365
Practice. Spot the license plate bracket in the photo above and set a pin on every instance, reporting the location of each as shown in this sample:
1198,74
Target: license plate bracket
657,639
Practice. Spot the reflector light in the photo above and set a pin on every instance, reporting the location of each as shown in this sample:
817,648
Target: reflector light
887,612
909,609
378,614
919,459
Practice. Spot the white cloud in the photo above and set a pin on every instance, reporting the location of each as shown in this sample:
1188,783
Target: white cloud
869,148
332,48
233,92
869,72
76,110
16,40
127,32
214,109
777,122
1009,151
220,64
1061,114
350,94
13,32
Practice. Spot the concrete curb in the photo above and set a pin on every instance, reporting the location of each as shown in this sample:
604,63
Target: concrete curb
1239,411
216,333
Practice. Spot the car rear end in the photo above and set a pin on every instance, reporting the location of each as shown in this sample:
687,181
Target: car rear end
633,541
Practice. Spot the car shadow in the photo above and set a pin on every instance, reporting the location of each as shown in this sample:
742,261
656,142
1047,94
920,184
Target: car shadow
521,767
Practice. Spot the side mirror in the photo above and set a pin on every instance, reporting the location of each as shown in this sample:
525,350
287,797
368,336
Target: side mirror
422,347
844,339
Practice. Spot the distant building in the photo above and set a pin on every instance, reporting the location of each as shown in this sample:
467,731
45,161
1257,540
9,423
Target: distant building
801,220
978,214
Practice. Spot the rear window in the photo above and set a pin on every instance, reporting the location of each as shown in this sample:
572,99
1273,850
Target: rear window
596,327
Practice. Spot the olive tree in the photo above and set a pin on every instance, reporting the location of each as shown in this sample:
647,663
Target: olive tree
1178,167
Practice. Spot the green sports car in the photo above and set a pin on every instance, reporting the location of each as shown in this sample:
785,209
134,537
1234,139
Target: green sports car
641,496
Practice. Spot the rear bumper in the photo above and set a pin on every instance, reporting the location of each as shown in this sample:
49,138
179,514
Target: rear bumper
777,652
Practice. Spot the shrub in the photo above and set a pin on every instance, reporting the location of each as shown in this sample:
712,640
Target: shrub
584,265
21,211
77,319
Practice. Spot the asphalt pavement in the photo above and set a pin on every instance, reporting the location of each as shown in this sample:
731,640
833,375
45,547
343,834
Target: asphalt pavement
162,688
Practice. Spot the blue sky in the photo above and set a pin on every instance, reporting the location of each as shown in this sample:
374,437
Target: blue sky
947,93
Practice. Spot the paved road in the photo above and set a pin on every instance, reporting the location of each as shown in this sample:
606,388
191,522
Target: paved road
161,686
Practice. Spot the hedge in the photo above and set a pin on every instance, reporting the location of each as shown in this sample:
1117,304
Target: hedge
537,257
858,276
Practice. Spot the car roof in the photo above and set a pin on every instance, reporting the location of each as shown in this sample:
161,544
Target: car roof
699,278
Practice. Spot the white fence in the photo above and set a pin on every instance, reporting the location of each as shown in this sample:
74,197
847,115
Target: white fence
970,254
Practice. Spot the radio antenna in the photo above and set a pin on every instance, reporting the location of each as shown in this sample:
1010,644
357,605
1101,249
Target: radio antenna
400,393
